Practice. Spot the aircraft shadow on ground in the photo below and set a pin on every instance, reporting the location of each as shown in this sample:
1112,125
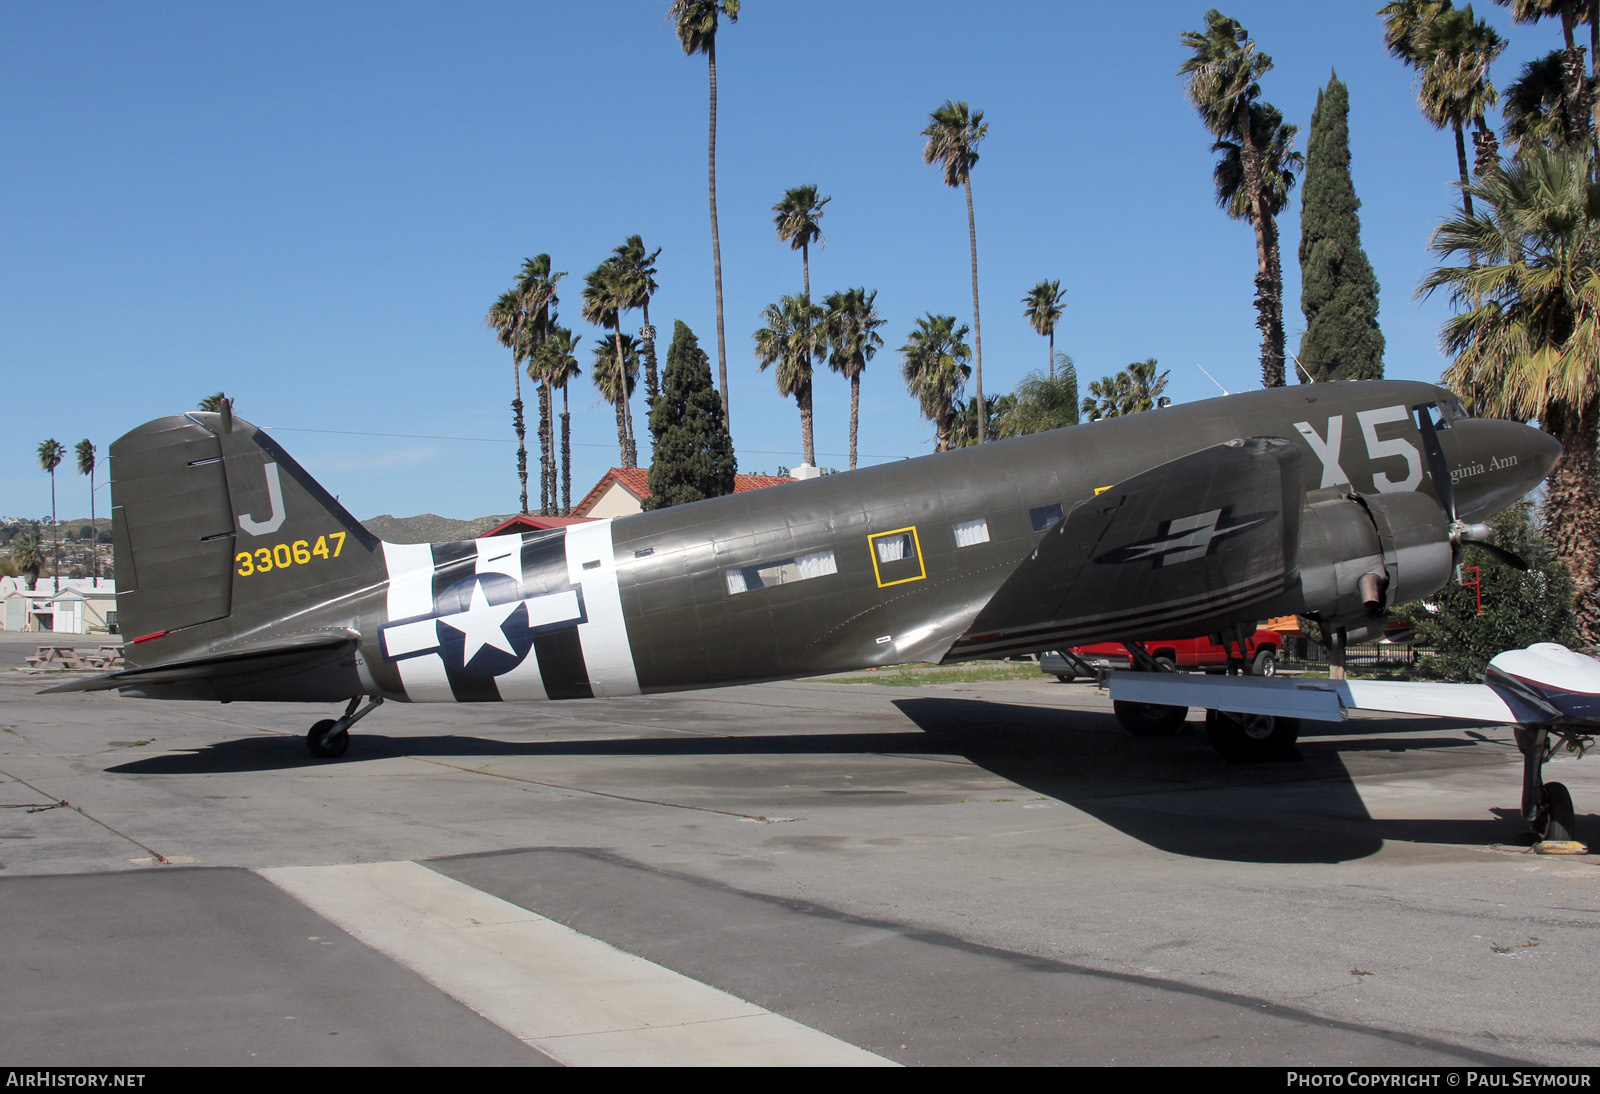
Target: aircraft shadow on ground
1173,793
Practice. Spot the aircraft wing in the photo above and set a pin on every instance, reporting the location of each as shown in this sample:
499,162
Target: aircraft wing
245,663
1184,548
1316,700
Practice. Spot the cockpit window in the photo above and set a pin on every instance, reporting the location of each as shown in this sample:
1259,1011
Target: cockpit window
1439,415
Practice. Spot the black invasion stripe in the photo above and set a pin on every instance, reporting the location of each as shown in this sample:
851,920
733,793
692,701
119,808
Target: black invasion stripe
451,563
561,664
560,654
544,562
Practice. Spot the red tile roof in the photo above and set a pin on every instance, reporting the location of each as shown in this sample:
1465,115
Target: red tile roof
636,481
526,522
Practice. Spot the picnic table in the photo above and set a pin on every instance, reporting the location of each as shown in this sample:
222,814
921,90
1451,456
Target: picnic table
68,657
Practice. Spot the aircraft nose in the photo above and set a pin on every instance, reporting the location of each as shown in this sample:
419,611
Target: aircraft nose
1497,462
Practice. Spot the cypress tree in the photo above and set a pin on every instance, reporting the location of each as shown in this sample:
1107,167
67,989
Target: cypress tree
693,451
1339,293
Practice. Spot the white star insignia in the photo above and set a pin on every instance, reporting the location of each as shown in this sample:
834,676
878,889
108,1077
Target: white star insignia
482,624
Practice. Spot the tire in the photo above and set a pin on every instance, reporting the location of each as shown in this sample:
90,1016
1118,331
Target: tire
324,743
1166,664
1559,821
1149,719
1265,664
1065,677
1249,738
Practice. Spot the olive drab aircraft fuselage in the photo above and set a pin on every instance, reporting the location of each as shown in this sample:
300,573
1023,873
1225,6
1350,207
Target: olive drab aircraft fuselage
240,578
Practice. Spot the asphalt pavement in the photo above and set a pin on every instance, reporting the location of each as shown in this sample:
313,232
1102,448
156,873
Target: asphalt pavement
810,872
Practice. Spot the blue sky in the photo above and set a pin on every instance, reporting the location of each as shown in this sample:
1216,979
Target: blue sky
312,205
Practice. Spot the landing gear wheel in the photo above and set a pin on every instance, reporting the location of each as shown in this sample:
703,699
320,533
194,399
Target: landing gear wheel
1149,719
1265,664
1557,820
328,740
1245,738
1065,677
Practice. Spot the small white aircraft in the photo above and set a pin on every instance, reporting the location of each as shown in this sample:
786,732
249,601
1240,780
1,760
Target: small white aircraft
1547,693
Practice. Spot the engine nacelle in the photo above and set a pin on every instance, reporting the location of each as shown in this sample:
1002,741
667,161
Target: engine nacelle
1362,554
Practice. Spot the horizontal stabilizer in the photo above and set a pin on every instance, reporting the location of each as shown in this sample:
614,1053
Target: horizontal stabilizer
266,660
1314,700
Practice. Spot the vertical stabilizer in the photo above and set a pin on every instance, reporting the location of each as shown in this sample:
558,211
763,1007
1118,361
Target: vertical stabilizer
215,524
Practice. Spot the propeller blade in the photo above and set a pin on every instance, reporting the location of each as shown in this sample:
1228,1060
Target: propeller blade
1438,468
1500,553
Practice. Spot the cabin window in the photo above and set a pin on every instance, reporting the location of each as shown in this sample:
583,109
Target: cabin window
897,556
782,572
970,533
1045,516
893,547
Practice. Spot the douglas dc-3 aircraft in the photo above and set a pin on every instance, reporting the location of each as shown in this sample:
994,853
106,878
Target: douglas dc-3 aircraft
240,578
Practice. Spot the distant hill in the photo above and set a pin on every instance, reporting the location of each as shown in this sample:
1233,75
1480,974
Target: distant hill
429,528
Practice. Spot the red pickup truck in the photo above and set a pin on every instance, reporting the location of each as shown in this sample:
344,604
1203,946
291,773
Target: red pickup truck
1261,653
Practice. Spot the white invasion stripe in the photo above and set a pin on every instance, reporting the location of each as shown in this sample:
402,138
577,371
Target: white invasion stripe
503,555
404,639
606,653
410,568
575,998
552,608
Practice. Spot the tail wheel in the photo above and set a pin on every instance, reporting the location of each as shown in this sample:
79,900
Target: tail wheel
1245,738
1149,719
327,740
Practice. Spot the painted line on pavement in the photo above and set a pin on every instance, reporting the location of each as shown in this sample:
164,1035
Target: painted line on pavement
575,998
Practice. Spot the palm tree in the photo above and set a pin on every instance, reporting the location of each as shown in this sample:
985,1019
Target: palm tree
796,218
1134,390
790,341
934,364
1578,105
1223,71
1277,162
51,453
1042,306
1527,333
215,403
953,137
86,464
603,297
615,374
537,293
1456,50
559,367
509,323
1404,24
696,23
27,555
1533,107
852,331
1042,403
636,278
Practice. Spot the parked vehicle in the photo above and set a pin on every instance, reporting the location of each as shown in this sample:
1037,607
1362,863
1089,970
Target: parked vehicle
1261,656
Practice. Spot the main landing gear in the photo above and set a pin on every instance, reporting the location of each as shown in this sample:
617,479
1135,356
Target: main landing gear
1547,807
329,738
1240,738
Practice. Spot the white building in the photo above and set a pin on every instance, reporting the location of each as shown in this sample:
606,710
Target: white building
79,606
